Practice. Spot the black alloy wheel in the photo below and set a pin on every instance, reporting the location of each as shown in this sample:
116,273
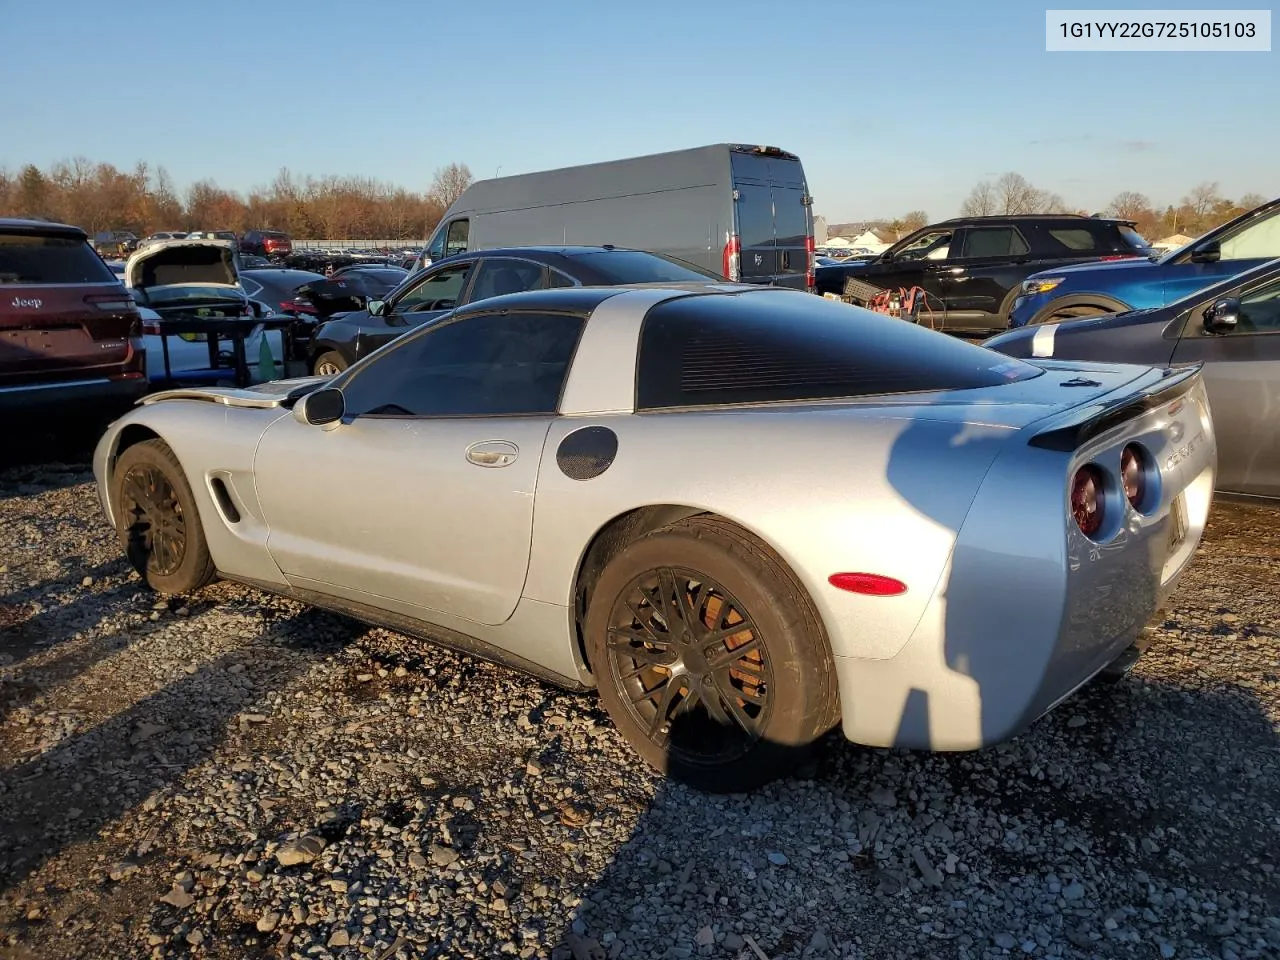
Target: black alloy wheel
692,663
154,518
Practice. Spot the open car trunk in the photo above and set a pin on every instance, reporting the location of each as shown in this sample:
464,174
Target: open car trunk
204,262
187,278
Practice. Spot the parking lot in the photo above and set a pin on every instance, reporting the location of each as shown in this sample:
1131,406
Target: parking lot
236,775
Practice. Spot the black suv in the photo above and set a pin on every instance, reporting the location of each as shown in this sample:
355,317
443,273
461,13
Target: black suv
964,274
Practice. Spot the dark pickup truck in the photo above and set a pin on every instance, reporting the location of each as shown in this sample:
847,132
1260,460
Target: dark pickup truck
965,273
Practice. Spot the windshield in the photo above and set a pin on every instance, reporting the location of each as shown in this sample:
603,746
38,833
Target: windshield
637,266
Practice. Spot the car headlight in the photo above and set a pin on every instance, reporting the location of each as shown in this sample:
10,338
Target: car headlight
1040,285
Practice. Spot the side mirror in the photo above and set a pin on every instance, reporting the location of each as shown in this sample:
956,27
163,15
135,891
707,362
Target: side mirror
320,407
375,307
1223,316
1210,252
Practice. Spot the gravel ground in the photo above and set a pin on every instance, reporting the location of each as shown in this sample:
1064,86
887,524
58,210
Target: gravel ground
241,777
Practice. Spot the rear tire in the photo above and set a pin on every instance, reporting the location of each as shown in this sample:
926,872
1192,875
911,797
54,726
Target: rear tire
329,364
719,709
157,520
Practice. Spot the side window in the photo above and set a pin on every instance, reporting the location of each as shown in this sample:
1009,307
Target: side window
992,242
500,364
455,240
1259,240
1260,310
932,245
496,276
558,279
251,287
1075,239
437,291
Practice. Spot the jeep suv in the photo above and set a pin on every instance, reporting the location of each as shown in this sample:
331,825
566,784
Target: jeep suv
964,274
271,244
70,334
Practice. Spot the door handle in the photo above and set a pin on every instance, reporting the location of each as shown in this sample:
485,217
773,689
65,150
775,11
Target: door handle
492,453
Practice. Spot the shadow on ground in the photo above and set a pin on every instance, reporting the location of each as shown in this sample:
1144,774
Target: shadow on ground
70,792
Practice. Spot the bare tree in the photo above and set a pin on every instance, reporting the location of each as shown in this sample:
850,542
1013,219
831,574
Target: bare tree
449,182
1202,199
1011,194
981,202
1251,200
1129,205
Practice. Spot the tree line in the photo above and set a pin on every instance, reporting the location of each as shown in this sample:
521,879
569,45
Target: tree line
99,196
1201,209
144,200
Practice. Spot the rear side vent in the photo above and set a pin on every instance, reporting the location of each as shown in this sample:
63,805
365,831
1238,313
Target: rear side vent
223,498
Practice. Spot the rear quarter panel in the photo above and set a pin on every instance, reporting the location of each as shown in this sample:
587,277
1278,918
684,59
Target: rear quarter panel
832,491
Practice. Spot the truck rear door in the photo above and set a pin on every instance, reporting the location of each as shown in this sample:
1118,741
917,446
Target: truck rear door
773,219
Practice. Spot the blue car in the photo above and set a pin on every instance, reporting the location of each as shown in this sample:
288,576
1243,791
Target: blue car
1090,289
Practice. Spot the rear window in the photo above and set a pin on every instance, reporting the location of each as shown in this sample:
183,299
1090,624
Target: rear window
1098,238
1134,239
27,258
636,266
771,346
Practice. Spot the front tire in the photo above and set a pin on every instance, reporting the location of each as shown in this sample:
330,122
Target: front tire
1052,314
709,656
329,364
157,520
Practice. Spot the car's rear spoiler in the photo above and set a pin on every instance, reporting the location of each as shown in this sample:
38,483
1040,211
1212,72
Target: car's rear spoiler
1092,419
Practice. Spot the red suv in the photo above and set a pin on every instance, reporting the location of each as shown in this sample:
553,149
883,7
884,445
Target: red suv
70,334
272,244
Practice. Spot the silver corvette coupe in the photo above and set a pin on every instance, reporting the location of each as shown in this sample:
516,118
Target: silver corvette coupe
743,515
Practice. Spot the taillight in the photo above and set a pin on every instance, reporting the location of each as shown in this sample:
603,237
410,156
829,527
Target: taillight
112,302
1087,501
1135,468
151,329
296,306
810,272
732,259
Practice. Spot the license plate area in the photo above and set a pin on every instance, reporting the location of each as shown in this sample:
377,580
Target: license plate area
42,344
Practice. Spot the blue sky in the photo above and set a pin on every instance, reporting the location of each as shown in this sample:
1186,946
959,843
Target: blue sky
892,106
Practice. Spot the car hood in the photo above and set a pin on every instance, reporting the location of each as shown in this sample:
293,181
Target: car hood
1095,267
174,262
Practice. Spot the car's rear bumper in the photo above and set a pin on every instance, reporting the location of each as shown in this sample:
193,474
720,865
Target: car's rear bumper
95,393
1028,610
